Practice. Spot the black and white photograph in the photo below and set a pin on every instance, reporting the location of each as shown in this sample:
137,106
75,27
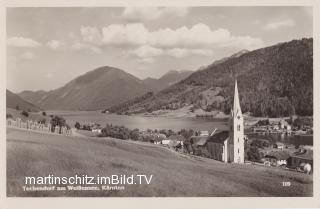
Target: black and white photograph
159,101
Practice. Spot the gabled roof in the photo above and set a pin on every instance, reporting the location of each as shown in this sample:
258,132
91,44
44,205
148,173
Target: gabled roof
307,154
219,137
199,140
279,155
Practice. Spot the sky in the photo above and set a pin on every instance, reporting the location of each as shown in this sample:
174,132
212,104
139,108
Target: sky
48,47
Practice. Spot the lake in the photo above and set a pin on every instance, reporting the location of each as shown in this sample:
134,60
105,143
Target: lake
286,139
142,122
176,124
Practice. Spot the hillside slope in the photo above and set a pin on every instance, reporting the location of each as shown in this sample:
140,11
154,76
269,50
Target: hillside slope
28,154
168,79
14,101
102,87
274,81
99,89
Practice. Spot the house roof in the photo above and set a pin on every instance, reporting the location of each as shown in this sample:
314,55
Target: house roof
307,154
199,140
173,143
279,155
176,137
204,133
279,144
219,137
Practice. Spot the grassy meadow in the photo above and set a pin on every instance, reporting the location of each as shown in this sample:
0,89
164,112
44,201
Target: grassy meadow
175,175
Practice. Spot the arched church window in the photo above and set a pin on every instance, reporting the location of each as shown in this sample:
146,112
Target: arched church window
238,127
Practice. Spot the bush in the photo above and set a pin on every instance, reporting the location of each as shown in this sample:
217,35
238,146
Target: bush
9,116
44,113
25,113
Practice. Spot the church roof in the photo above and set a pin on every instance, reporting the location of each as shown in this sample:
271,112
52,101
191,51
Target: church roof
219,137
236,103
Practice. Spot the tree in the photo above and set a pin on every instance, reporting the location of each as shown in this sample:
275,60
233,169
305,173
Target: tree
253,154
25,113
44,113
57,121
17,107
77,125
134,134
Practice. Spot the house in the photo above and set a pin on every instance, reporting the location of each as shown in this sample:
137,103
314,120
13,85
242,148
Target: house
204,133
199,146
96,130
288,127
303,156
276,158
165,142
278,145
177,138
176,141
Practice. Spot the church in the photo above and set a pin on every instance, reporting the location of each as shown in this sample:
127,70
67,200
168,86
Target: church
228,146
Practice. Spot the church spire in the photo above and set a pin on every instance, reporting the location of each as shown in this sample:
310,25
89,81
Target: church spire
236,102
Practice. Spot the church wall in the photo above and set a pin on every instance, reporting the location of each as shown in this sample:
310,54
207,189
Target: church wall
216,151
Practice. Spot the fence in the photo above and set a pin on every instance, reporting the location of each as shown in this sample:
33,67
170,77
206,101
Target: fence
33,125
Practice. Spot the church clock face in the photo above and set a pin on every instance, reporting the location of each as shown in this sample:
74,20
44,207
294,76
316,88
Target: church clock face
238,117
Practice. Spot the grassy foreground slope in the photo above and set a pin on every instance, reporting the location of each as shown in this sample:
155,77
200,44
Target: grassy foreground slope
39,154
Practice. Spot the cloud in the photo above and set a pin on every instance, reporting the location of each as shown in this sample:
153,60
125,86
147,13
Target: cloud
90,35
84,46
182,52
147,60
153,13
198,36
28,55
22,42
56,44
148,52
279,24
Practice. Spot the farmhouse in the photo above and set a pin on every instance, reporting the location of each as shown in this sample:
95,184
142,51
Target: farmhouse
303,156
276,158
278,145
199,145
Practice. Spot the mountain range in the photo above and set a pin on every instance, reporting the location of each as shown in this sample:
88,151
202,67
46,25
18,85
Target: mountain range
166,80
16,102
274,81
99,89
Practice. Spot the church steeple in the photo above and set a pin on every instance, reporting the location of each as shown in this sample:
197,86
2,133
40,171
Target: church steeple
236,134
236,102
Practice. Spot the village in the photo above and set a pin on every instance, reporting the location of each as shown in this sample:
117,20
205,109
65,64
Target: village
236,145
227,146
